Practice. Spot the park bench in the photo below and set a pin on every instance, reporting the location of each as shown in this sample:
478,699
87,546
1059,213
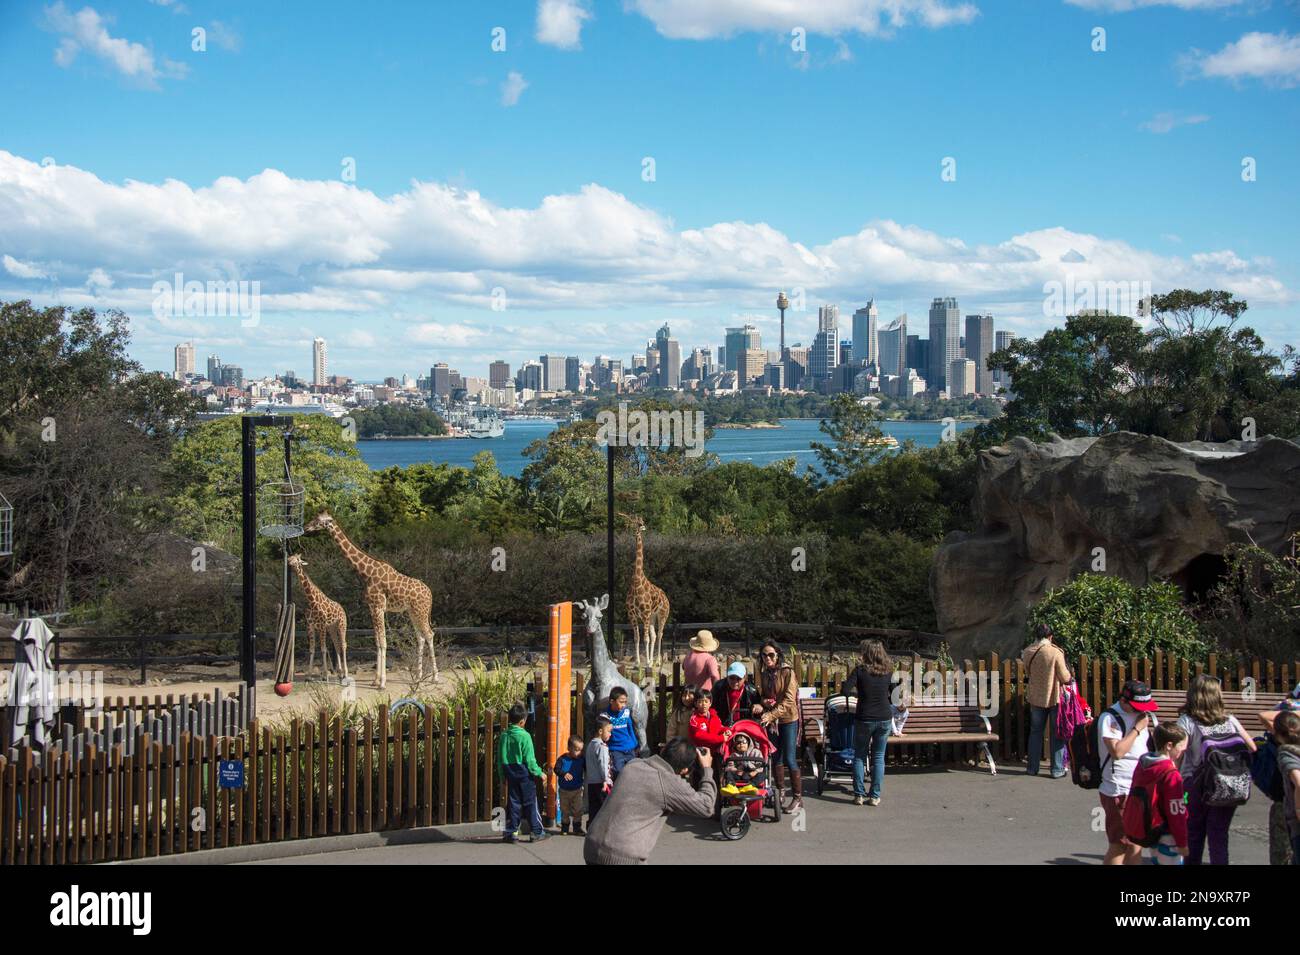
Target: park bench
1246,712
949,723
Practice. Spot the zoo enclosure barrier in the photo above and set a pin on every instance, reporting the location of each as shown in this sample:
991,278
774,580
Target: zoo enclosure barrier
344,774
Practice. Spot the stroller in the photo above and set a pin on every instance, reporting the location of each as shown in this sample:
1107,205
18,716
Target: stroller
741,808
837,744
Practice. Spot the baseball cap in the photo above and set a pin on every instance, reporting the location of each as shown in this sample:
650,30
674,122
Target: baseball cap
736,669
1138,695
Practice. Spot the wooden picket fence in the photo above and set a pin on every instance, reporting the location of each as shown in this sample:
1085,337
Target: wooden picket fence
412,769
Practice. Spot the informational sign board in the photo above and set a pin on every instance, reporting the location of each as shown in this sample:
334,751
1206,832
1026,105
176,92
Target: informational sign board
560,676
230,773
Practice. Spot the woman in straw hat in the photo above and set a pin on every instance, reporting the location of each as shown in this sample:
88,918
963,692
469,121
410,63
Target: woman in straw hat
700,666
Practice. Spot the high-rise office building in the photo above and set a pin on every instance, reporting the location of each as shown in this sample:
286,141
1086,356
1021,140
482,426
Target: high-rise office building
961,378
797,360
319,362
440,380
979,345
918,353
1001,341
529,376
670,359
737,340
552,372
750,364
184,364
232,376
866,347
214,369
499,374
892,342
699,366
825,357
573,373
945,340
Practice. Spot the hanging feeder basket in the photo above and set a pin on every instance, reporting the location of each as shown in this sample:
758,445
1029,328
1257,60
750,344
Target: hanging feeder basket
280,510
6,527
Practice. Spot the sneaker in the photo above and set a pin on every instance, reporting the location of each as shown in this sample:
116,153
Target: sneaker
859,800
577,830
873,800
540,836
510,837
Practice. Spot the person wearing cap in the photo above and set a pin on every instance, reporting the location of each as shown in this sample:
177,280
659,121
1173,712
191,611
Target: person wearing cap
736,697
1045,664
1125,736
700,666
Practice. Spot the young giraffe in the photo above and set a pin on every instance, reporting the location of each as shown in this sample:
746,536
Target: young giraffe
647,605
386,591
325,619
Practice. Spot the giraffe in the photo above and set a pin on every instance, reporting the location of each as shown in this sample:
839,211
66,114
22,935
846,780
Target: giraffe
605,675
647,605
386,590
325,619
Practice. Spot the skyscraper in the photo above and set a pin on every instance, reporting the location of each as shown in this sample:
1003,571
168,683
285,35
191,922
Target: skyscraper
737,340
529,376
826,346
319,362
499,374
440,380
979,345
892,342
670,359
214,369
184,361
866,348
751,363
552,372
1001,341
573,373
961,378
945,340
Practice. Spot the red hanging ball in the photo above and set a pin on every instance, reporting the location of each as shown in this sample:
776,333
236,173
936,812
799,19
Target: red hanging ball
283,689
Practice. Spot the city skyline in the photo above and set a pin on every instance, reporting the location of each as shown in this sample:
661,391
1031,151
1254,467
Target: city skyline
484,236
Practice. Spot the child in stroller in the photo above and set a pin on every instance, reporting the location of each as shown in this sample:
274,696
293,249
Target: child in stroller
746,758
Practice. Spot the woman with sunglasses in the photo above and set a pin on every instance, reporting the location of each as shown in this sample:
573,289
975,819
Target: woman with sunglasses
780,714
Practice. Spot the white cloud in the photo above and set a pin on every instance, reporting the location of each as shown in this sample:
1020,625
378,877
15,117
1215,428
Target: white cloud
225,36
22,270
512,88
323,248
1273,58
87,30
559,23
693,20
1167,122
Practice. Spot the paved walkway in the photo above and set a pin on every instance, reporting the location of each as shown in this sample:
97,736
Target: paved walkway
928,816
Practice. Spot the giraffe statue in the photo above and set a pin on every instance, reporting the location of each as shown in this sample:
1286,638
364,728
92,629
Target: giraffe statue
647,605
386,591
325,619
605,675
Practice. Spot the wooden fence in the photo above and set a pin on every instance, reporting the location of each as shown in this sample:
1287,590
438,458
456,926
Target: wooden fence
412,769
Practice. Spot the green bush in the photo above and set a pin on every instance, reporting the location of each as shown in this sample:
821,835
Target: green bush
1107,617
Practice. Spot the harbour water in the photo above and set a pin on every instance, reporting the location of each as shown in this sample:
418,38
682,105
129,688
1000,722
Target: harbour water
760,445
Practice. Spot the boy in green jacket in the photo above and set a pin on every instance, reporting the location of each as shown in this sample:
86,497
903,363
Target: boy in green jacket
517,765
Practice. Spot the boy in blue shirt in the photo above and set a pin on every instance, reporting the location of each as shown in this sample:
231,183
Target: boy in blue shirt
570,771
623,744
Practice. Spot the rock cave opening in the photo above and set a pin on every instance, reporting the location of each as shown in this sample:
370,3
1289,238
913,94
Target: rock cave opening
1200,576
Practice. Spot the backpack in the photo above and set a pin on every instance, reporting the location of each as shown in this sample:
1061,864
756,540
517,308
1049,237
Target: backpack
1144,820
1224,773
1264,769
1085,747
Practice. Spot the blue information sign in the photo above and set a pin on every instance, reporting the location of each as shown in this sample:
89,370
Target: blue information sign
230,772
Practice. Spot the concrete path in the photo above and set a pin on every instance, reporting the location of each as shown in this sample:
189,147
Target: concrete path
939,816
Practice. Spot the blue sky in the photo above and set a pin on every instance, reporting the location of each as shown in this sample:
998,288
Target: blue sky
522,170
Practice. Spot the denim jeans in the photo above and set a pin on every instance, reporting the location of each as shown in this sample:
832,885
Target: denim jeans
786,739
521,797
869,738
1040,716
618,758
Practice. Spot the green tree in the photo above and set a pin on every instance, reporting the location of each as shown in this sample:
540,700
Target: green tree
855,430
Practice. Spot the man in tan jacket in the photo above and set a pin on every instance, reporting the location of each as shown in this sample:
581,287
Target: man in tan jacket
1045,663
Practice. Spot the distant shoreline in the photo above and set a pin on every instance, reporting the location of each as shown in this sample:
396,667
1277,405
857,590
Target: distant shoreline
407,437
745,426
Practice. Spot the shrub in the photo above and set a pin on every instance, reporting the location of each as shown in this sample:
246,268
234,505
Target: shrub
1255,609
1107,617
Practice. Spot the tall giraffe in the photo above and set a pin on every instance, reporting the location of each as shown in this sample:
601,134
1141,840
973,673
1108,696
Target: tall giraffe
325,619
386,590
647,605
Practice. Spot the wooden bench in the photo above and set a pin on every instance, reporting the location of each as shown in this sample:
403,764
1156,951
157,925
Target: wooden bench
1246,711
948,723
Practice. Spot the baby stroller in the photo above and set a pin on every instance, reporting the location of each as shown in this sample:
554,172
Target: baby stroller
837,744
740,808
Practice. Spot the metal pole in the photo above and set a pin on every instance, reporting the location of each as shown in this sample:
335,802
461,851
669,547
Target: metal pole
248,650
609,539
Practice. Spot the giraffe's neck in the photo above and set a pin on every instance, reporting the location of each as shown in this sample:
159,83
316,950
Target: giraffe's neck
308,588
638,568
361,562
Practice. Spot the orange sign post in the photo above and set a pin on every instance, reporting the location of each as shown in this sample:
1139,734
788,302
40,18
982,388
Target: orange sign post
560,676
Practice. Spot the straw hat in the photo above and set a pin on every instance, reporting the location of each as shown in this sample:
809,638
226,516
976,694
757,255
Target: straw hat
704,642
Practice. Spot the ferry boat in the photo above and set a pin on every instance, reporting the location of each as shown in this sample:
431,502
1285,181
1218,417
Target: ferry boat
477,423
